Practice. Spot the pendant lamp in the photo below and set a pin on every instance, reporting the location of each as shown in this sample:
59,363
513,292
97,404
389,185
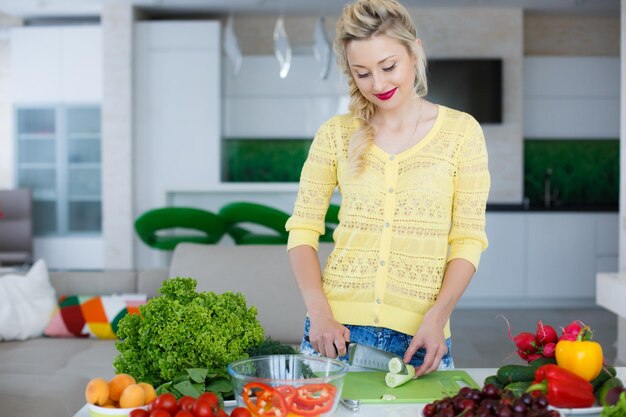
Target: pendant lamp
282,49
231,45
321,48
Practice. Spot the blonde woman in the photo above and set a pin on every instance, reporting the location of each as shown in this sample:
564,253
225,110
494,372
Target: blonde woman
414,182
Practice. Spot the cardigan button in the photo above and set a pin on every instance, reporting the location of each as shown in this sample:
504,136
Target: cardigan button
390,189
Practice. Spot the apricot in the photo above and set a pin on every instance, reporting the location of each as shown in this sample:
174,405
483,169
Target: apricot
97,391
149,391
132,396
109,402
118,383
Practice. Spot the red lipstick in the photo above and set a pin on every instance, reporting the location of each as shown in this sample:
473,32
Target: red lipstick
386,95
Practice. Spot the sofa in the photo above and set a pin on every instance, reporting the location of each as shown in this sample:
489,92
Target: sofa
47,375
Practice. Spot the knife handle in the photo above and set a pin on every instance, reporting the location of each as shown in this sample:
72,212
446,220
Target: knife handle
308,340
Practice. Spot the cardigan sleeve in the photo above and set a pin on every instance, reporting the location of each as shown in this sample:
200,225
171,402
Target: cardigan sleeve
317,183
467,236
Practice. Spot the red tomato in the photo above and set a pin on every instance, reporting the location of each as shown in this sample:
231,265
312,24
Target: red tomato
211,398
139,412
220,413
183,413
186,403
166,402
202,409
160,413
240,412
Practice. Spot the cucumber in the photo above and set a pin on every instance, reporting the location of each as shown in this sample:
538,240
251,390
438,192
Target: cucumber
606,373
604,389
395,380
516,373
493,379
397,366
518,388
542,361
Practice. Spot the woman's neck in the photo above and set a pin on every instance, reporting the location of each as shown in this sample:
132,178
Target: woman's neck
399,117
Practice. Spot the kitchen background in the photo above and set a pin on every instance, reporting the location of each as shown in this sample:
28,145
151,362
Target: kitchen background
153,114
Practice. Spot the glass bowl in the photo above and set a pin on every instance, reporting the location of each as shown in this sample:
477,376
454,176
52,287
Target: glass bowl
288,385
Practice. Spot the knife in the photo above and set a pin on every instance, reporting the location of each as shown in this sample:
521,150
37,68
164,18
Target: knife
369,357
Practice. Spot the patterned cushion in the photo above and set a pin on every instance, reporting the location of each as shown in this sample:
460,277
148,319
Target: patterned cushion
92,316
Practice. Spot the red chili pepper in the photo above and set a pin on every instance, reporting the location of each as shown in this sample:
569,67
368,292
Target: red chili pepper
564,388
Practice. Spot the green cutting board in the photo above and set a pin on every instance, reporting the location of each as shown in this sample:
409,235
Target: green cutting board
369,387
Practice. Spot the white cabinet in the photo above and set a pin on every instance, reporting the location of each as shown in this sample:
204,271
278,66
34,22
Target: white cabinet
177,108
561,255
67,70
571,97
293,107
538,259
177,113
497,280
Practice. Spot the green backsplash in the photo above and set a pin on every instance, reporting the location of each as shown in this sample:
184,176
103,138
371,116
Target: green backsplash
584,172
263,160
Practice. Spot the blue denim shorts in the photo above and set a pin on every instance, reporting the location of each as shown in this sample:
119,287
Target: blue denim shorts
380,338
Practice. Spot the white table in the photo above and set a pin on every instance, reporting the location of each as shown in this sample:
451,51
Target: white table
408,410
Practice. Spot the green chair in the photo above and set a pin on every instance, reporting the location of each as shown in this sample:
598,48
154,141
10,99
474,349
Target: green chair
271,221
332,220
153,225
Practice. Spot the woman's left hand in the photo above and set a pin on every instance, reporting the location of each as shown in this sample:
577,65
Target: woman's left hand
429,336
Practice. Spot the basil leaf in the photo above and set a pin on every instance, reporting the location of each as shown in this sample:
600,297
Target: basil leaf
197,374
187,388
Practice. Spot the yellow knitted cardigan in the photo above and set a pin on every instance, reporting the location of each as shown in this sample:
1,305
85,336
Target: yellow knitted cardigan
400,221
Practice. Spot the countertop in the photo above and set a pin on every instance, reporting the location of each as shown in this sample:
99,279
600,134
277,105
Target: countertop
414,410
536,208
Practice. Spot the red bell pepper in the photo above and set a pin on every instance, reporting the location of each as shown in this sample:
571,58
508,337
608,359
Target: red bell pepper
564,388
313,399
263,400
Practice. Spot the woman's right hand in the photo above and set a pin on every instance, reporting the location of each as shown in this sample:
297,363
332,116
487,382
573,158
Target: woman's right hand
328,337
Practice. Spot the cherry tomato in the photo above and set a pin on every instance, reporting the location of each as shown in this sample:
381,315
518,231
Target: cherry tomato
139,412
240,412
186,403
160,413
166,402
184,413
211,398
202,409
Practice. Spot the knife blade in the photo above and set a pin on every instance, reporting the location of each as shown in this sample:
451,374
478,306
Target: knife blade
370,357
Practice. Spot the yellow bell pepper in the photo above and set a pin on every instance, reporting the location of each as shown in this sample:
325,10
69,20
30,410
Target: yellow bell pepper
582,357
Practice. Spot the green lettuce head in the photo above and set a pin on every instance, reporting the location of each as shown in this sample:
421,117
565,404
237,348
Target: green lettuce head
182,329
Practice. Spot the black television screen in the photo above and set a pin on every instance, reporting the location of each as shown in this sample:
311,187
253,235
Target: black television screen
470,85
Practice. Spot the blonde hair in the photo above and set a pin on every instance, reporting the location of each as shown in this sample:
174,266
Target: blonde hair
364,19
